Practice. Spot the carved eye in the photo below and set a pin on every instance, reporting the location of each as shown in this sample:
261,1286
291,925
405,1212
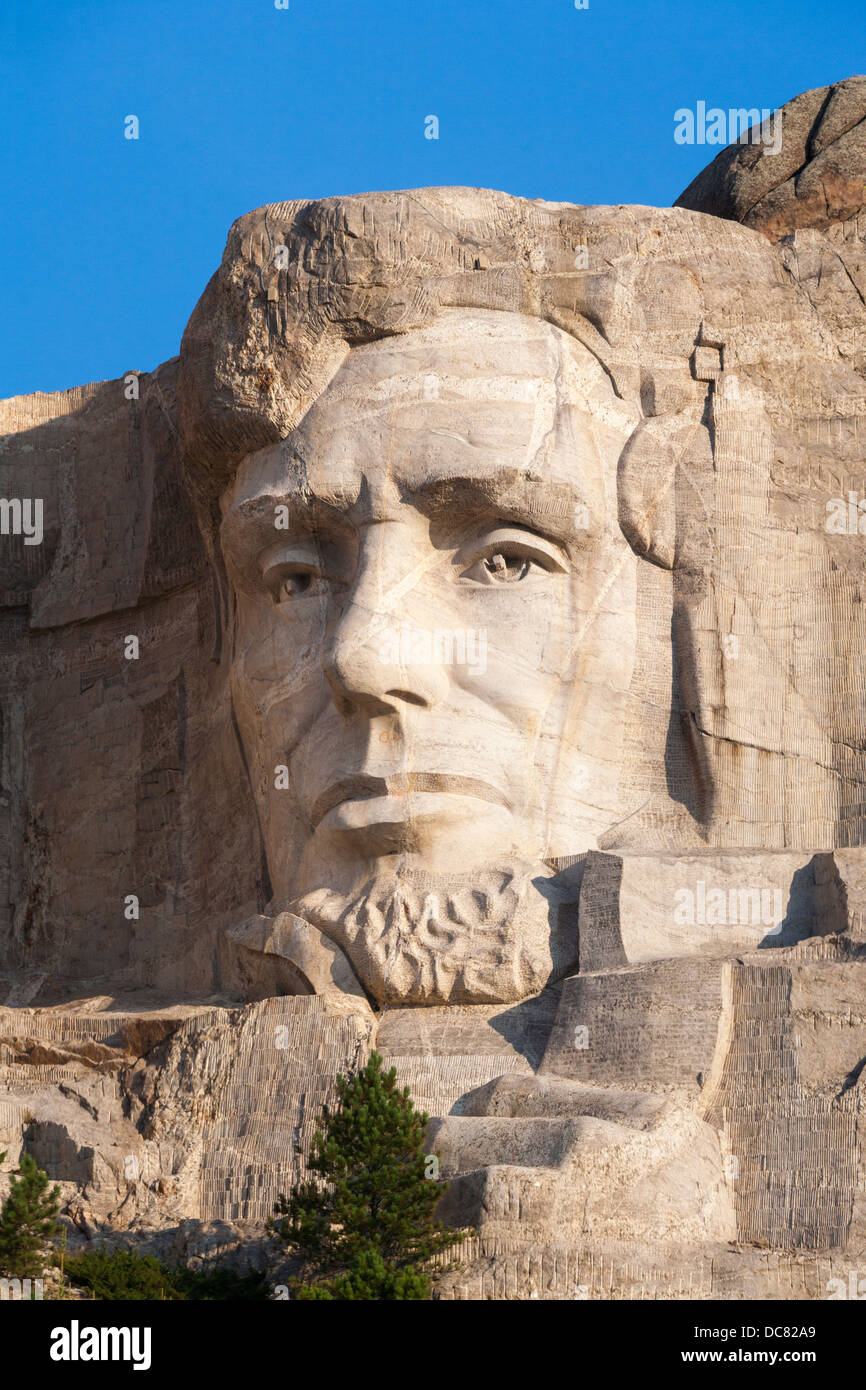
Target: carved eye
511,556
289,585
294,585
298,569
507,569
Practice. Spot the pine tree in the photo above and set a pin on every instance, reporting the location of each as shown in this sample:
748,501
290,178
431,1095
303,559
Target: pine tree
27,1221
365,1228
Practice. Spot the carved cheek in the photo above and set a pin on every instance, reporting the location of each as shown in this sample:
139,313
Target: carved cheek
277,659
526,638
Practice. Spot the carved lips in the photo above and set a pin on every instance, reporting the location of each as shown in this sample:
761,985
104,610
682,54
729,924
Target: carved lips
364,788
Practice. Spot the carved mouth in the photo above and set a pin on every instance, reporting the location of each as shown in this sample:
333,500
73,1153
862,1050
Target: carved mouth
364,788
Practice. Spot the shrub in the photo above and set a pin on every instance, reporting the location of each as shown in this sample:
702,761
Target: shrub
365,1228
125,1275
27,1221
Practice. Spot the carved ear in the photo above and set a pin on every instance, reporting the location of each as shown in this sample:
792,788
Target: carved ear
645,488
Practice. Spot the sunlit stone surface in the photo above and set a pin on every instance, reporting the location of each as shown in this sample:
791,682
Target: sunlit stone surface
457,651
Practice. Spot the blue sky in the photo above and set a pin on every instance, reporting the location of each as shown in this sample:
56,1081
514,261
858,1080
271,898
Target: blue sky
107,242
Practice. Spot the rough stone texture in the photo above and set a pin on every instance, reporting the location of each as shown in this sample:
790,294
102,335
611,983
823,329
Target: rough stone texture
816,179
595,887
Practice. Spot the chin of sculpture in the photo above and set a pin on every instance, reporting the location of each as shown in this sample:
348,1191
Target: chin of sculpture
491,937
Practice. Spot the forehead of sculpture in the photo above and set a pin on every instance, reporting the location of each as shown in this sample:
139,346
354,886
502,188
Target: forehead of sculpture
477,402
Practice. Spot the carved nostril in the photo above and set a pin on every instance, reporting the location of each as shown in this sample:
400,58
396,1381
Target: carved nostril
407,697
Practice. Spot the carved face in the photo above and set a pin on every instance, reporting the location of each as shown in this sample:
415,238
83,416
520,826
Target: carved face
435,608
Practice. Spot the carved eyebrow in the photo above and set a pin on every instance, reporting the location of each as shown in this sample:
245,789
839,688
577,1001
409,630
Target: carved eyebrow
251,522
549,506
506,495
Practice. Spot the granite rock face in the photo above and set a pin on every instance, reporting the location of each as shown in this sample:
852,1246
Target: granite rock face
455,651
816,179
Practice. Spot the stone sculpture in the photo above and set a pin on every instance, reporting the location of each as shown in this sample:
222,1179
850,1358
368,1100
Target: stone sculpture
456,651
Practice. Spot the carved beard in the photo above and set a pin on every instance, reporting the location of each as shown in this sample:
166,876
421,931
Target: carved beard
492,937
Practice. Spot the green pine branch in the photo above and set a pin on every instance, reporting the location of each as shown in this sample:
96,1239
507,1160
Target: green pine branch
363,1224
27,1222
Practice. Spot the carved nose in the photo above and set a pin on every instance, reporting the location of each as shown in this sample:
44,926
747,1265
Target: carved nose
366,671
372,663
